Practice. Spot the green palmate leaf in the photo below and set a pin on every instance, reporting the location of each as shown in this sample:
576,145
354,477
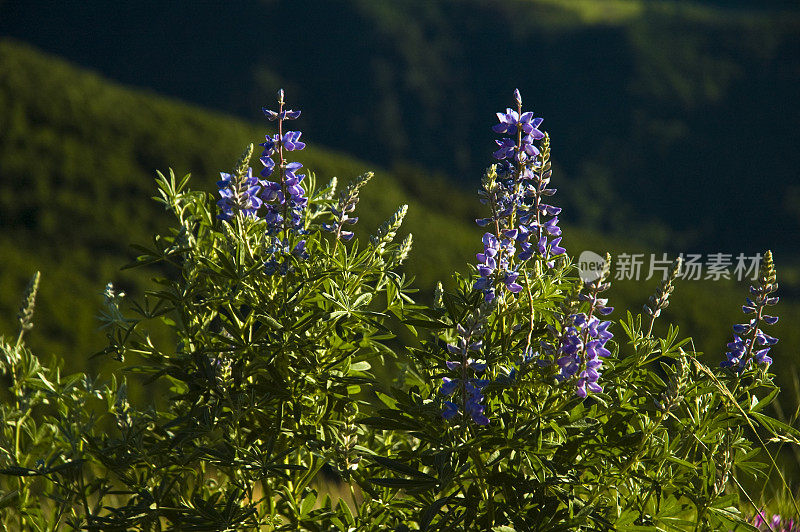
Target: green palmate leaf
347,513
430,512
776,427
386,400
680,461
428,324
360,366
18,471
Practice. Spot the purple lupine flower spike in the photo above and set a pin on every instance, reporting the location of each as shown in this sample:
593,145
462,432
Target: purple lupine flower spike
581,345
285,198
467,386
515,189
239,191
750,345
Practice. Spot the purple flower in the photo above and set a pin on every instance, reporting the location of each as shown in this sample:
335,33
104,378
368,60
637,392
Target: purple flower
775,524
291,141
468,387
348,199
494,266
283,115
450,410
512,121
448,386
472,395
519,125
517,186
239,194
281,253
506,150
750,344
284,198
581,345
473,406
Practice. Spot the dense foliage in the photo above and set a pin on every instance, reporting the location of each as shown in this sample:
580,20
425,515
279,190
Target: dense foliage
517,403
84,151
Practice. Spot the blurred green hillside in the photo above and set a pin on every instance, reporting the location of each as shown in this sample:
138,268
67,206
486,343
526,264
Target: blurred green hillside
77,159
678,116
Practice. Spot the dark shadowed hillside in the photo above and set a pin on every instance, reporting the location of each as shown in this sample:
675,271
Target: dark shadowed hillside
678,116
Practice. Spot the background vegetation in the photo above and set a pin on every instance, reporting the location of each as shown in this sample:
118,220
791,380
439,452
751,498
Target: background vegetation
682,106
672,117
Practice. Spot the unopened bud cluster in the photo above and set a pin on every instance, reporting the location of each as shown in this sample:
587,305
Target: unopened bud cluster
673,395
348,199
25,316
660,300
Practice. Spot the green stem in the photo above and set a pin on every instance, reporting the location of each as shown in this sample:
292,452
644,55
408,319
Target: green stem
482,474
635,460
650,329
23,496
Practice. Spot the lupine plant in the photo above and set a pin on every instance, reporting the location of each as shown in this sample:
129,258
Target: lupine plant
519,404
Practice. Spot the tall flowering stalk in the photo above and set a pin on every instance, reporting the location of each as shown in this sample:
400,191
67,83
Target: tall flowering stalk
283,201
539,232
348,199
660,300
750,343
466,385
515,189
581,343
25,315
285,198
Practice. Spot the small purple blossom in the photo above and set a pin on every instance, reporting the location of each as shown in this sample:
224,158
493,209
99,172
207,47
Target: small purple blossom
507,149
775,524
494,266
283,115
281,253
239,194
